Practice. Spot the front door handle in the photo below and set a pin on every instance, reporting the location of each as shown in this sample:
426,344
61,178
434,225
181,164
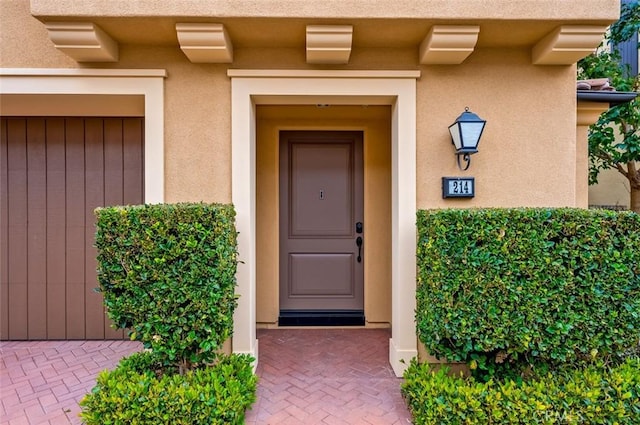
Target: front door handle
359,243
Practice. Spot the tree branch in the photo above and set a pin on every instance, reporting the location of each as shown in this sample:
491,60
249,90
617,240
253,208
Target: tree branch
622,171
608,159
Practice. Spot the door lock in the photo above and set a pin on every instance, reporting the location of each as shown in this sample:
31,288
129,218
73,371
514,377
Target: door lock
359,227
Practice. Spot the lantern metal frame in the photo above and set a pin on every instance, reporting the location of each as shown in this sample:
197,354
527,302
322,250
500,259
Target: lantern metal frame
466,132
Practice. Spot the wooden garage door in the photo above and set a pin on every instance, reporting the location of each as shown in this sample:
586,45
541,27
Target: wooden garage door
53,173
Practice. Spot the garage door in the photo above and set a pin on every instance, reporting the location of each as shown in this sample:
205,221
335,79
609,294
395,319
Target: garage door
53,173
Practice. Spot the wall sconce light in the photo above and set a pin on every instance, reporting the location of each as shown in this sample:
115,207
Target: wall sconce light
466,131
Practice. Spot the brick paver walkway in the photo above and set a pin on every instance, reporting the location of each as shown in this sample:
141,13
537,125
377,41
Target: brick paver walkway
326,376
307,376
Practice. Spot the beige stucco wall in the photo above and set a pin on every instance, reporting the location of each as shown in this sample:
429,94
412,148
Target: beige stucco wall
375,122
197,124
612,190
24,42
527,152
197,102
438,9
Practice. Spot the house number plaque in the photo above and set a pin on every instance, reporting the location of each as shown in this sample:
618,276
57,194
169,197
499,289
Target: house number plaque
458,187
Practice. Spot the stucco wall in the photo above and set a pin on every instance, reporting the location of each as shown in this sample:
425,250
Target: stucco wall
24,42
527,152
440,9
197,102
612,190
527,156
197,123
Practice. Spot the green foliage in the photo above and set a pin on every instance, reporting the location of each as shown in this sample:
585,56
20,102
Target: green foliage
133,394
506,289
629,23
614,142
167,272
617,144
606,62
586,395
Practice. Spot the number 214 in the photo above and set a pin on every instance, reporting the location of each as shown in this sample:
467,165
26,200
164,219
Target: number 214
461,187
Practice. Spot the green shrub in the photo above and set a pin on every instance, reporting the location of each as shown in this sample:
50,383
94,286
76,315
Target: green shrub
585,395
167,272
134,394
502,286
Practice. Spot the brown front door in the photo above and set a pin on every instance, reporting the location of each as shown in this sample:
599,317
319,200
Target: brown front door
321,223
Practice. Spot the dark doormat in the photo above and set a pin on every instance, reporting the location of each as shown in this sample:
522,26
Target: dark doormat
321,318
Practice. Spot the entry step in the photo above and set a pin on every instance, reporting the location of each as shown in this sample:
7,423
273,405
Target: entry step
321,318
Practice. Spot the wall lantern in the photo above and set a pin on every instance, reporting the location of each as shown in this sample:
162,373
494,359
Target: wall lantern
466,131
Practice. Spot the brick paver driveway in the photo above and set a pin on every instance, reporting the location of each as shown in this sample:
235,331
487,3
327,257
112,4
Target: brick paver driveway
307,376
41,382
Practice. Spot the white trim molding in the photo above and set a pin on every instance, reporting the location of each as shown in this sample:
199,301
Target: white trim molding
81,72
251,88
312,73
94,82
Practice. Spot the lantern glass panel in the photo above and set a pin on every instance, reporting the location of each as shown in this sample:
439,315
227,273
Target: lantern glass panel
454,129
471,132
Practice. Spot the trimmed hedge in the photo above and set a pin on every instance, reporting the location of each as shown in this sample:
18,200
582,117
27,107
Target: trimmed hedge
133,394
167,272
502,286
585,395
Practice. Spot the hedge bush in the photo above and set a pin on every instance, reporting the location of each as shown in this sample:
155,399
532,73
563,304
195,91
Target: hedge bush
167,272
134,394
498,286
584,395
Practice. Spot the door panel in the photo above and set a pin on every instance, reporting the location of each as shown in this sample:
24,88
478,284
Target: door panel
321,200
320,274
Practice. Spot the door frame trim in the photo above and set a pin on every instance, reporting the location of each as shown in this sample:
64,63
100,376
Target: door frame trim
126,84
395,88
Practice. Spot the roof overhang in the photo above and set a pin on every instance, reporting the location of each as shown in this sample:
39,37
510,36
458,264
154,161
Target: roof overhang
558,32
